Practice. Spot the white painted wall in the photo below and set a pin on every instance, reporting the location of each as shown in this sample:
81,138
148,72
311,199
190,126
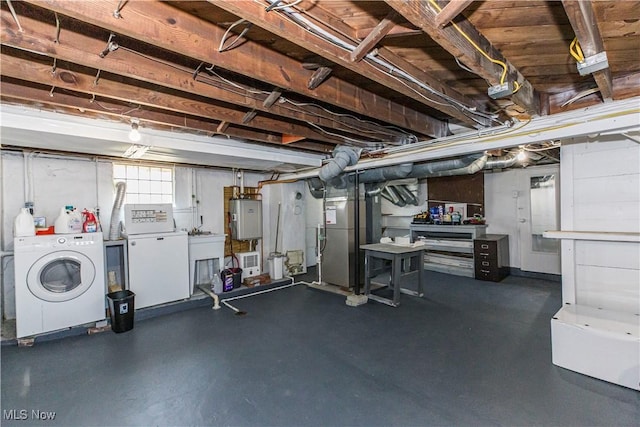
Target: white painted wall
83,182
601,192
291,235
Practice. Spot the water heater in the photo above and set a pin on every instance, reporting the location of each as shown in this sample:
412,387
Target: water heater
246,219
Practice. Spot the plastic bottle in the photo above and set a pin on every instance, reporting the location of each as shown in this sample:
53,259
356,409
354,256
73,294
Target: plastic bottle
75,220
23,225
90,224
216,284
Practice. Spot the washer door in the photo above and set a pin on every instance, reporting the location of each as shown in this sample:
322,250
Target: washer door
61,276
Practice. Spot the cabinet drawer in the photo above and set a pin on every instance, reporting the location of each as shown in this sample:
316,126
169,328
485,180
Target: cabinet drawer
493,274
487,274
486,256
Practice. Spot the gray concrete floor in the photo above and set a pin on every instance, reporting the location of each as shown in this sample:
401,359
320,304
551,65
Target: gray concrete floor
469,353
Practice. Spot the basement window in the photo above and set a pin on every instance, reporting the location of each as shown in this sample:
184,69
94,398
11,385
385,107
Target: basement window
145,184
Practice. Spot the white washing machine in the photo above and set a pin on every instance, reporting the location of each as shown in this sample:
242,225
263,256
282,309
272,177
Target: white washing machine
59,282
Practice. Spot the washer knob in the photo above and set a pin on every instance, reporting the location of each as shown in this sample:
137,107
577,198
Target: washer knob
62,240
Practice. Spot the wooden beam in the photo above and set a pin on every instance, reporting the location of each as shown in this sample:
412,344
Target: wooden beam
77,48
272,98
12,89
222,127
585,26
400,30
250,115
374,37
319,76
422,14
84,83
279,25
450,11
162,25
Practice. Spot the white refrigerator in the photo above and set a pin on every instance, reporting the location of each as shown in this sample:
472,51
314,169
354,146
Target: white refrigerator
158,267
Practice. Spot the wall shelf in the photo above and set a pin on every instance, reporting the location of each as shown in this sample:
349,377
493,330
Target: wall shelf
605,236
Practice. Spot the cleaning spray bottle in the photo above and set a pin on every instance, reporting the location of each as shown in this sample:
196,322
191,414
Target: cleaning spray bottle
90,223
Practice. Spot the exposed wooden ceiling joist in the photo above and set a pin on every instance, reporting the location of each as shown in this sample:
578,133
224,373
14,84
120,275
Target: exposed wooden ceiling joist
423,15
162,25
282,26
80,49
13,90
585,26
91,85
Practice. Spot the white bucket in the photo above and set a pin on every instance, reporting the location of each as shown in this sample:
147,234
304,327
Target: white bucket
276,266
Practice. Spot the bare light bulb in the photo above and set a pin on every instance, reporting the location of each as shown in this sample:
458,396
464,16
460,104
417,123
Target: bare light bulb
522,156
134,134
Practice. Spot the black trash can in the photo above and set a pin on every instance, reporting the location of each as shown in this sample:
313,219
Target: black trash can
232,278
121,308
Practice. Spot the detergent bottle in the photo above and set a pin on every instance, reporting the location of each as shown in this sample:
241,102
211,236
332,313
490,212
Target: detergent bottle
61,226
23,224
90,223
69,221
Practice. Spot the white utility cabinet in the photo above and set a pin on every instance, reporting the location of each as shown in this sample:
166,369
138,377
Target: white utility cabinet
158,268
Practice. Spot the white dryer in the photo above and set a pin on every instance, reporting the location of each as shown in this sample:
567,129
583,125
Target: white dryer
59,282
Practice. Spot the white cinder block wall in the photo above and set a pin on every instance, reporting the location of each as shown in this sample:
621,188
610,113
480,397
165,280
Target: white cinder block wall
54,181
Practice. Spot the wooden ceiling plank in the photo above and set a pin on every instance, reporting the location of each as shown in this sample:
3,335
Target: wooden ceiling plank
162,25
373,38
450,11
277,24
79,49
16,91
626,86
422,15
585,26
84,83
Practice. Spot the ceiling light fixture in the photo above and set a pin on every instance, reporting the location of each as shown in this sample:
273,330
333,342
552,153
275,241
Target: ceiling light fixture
134,134
522,156
135,151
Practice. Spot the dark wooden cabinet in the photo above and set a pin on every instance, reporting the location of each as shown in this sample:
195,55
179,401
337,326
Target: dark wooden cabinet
491,257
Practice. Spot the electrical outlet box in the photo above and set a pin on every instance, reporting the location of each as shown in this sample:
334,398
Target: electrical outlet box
500,91
593,63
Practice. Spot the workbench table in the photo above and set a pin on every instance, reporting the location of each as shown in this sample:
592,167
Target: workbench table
405,261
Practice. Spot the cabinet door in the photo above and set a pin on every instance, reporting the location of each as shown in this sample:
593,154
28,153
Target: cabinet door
158,269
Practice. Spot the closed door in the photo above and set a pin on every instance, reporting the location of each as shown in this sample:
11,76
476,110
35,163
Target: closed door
539,211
